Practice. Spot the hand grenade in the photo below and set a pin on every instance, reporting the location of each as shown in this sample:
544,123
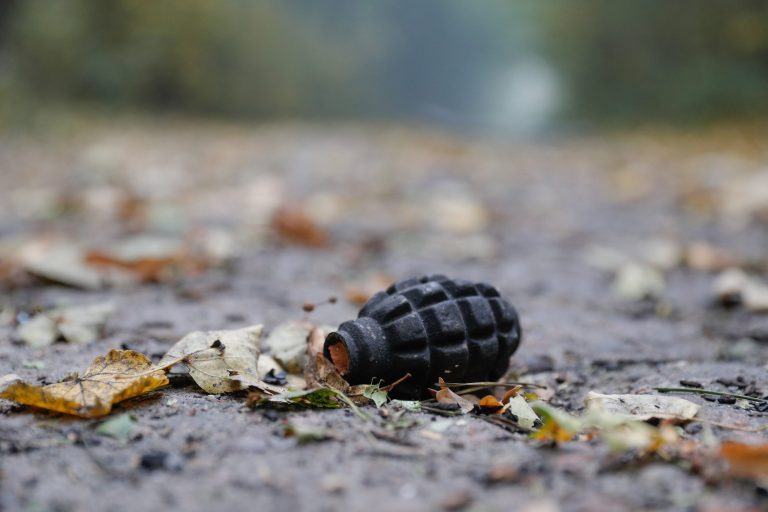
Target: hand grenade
429,327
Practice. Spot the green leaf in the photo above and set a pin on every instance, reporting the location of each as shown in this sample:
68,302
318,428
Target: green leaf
526,417
408,405
323,398
306,434
377,395
548,413
119,427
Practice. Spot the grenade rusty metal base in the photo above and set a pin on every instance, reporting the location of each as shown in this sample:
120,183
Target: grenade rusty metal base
429,327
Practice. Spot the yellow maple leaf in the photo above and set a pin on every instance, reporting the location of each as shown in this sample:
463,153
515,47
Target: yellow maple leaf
119,375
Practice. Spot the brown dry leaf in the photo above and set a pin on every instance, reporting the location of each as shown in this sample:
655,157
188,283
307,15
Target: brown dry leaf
708,258
293,225
146,270
489,403
511,393
119,375
746,461
316,340
320,373
147,258
446,396
60,262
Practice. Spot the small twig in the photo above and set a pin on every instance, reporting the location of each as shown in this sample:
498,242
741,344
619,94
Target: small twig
505,423
360,414
699,391
398,381
472,391
508,384
733,427
441,412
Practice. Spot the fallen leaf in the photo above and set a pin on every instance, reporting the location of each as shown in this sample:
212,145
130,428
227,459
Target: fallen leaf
287,343
621,435
59,262
456,212
734,286
557,426
408,405
266,364
320,372
502,473
39,331
322,398
637,281
744,198
446,396
661,253
746,460
708,258
526,416
118,376
293,225
456,500
146,270
305,432
489,403
511,393
221,361
316,339
756,297
149,259
119,427
376,394
643,407
80,324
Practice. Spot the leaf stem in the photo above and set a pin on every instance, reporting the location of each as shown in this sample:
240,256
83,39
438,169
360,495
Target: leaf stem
398,381
360,414
700,391
508,384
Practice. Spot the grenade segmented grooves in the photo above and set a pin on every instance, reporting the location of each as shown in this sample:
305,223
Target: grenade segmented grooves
429,327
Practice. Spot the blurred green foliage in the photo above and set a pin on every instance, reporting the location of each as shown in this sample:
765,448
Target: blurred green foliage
237,58
658,60
619,60
250,58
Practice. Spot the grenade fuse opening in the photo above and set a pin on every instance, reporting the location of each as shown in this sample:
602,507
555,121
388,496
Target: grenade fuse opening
339,355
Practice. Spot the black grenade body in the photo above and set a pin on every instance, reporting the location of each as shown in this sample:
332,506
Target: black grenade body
429,327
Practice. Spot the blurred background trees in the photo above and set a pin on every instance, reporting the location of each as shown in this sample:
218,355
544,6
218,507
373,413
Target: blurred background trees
486,64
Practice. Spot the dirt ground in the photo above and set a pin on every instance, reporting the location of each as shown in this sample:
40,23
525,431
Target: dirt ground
542,220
